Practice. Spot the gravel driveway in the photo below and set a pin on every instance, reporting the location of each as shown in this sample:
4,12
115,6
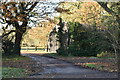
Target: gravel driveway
54,68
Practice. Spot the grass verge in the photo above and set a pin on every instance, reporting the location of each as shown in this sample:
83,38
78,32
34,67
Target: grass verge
94,66
71,56
12,66
8,72
14,57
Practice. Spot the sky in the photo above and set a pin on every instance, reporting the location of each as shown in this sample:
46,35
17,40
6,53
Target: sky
43,8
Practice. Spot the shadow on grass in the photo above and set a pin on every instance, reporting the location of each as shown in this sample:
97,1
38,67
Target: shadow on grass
14,57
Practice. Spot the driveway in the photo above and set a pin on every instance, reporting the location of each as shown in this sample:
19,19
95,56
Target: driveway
54,68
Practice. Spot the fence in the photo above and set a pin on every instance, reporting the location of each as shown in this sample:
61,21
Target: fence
33,48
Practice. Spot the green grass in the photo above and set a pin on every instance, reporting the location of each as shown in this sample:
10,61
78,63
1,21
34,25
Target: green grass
70,56
53,54
101,57
15,57
8,72
56,55
94,66
0,72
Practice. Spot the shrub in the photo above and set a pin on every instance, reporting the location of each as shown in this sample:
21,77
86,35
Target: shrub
105,54
62,52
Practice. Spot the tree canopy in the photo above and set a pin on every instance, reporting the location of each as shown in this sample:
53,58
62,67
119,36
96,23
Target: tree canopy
16,15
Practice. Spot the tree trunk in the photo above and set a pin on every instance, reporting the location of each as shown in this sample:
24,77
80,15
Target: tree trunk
18,39
20,30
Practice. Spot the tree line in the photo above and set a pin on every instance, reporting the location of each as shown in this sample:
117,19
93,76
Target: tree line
17,15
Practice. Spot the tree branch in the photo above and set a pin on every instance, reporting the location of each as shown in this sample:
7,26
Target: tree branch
32,7
8,33
104,6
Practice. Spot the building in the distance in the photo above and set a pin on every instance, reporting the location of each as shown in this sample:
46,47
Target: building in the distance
53,43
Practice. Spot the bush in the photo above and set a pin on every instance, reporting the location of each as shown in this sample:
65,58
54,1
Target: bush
105,54
62,52
86,41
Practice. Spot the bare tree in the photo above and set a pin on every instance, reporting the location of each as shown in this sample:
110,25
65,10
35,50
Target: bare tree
116,15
